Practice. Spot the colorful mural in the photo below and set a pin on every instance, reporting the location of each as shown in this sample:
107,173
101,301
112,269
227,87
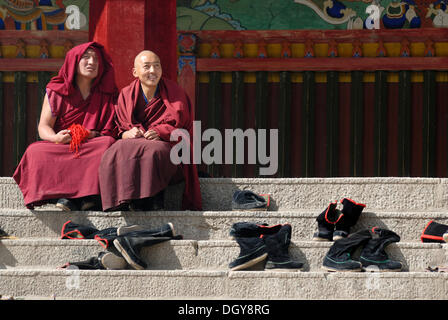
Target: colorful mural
309,14
244,14
43,14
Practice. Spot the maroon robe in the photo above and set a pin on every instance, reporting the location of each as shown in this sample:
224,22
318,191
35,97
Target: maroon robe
50,171
140,168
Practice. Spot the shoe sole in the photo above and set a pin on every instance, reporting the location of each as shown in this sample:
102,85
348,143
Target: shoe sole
250,263
172,228
340,270
125,255
61,206
376,269
284,270
445,237
321,239
112,262
384,270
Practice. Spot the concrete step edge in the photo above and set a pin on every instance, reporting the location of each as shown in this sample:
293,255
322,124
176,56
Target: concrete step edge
215,273
205,225
200,243
197,284
205,254
308,213
380,192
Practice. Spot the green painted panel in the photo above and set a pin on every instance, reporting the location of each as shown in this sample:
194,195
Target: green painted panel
305,14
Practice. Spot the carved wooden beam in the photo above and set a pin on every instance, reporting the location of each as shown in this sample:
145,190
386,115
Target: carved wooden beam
323,64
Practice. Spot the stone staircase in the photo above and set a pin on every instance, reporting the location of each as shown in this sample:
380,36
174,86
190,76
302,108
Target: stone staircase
197,266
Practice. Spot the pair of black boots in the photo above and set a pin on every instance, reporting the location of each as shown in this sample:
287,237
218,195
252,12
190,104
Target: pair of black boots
373,256
130,243
335,224
88,203
125,242
259,242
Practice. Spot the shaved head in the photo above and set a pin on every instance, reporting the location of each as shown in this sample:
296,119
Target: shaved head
147,68
148,54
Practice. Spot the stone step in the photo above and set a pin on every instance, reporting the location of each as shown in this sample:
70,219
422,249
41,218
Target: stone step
220,284
206,225
388,193
197,267
199,255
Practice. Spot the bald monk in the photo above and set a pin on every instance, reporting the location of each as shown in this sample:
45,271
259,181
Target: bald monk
136,170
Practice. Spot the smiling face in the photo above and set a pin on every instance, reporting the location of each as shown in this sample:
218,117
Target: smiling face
88,64
147,68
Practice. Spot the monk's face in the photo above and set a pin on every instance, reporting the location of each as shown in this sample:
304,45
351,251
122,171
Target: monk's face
88,64
148,69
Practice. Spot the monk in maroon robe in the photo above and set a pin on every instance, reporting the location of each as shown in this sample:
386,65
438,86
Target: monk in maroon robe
137,168
83,93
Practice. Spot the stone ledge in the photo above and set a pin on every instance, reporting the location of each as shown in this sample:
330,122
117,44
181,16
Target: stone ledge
388,193
149,284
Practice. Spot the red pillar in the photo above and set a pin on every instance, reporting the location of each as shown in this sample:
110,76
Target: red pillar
126,27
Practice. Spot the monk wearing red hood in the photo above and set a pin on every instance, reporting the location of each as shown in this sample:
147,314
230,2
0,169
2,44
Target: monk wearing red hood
135,171
76,126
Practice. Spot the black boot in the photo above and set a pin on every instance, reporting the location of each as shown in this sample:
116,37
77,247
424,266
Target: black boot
158,201
72,230
104,260
105,237
250,229
338,258
252,247
67,204
351,211
326,223
140,204
373,255
248,200
91,263
131,244
252,251
167,230
90,203
277,246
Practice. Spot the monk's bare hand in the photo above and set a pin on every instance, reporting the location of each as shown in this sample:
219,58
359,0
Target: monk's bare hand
151,135
132,133
63,137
